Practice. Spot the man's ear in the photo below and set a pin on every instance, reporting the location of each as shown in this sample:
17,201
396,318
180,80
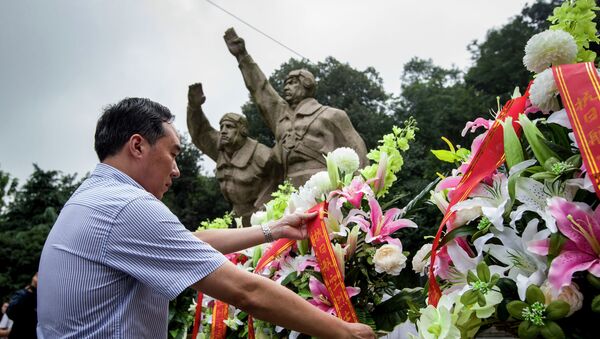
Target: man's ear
137,146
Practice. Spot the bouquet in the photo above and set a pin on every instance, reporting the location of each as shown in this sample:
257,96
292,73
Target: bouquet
521,247
368,255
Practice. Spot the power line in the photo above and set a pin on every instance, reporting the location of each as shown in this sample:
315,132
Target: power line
258,30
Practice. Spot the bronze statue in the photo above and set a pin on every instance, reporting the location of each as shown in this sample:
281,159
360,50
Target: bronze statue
304,129
247,170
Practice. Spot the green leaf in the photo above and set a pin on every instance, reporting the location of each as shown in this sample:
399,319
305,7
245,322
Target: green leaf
593,280
445,155
469,298
512,145
534,294
480,299
551,330
471,277
535,138
515,308
458,232
557,309
528,330
596,304
483,272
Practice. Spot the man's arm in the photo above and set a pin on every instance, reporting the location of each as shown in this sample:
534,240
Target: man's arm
236,239
264,95
204,136
269,301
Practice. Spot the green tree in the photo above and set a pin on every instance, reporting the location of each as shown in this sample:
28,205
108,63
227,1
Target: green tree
26,222
8,186
498,60
194,197
359,93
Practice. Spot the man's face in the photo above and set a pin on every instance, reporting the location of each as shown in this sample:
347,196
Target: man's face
161,164
230,135
293,91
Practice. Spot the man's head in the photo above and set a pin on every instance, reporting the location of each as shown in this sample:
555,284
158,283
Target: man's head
136,136
234,131
299,84
34,280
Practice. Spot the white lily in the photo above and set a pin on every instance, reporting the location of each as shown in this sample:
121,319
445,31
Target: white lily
534,197
491,199
524,267
463,262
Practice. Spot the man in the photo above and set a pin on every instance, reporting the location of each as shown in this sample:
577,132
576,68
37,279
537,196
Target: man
304,129
22,310
247,170
116,255
5,323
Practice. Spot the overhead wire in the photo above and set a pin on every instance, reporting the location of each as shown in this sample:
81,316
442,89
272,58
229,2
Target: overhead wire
258,30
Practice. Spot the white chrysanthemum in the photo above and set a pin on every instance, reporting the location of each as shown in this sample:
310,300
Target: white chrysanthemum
320,182
543,92
258,218
389,259
346,159
551,47
419,263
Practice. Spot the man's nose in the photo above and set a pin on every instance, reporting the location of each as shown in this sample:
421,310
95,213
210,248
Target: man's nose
175,173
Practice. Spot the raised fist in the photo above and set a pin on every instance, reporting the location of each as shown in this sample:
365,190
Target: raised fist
196,95
235,44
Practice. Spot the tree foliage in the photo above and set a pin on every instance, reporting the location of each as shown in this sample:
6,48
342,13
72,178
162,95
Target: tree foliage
194,197
26,222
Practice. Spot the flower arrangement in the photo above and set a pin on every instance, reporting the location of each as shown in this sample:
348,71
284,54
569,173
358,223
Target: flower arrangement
362,234
521,247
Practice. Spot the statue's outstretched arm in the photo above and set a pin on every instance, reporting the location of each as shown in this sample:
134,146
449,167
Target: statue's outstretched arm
271,105
204,136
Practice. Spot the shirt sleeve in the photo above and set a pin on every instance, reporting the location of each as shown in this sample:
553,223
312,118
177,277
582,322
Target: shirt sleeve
149,243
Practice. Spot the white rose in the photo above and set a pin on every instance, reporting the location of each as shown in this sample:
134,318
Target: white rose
569,294
389,259
419,263
346,159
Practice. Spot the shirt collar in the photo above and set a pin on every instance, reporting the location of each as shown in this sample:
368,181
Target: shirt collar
109,172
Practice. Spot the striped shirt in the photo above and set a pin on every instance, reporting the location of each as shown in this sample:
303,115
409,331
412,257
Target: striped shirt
112,261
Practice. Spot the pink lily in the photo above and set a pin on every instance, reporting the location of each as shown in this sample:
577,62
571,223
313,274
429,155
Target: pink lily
354,192
473,125
581,251
381,225
321,297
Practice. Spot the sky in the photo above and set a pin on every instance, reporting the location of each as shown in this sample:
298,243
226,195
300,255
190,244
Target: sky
62,61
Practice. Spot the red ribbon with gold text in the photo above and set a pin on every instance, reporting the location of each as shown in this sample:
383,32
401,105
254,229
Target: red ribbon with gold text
332,277
487,159
579,87
218,328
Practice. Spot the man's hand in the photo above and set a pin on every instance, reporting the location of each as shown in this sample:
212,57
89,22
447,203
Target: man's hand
196,95
293,226
360,331
235,44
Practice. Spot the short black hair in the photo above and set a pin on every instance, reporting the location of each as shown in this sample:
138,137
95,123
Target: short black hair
128,117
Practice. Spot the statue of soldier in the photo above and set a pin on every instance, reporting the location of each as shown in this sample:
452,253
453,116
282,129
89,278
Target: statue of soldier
247,170
304,129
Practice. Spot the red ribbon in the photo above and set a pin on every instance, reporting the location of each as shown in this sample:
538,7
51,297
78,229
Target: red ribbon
487,159
579,87
332,277
218,328
198,316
